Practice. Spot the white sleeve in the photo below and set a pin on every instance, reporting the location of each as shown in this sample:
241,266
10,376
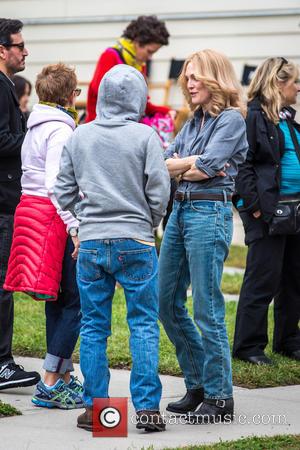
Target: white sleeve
55,146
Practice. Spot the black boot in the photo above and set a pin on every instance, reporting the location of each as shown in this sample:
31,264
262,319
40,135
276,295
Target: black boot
150,421
189,402
212,411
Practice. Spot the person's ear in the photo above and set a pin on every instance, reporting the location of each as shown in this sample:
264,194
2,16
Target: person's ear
72,99
2,52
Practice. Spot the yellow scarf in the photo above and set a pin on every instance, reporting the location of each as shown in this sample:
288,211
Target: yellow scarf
70,111
127,50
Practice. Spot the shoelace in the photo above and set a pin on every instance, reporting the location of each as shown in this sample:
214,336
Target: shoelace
64,395
75,385
13,365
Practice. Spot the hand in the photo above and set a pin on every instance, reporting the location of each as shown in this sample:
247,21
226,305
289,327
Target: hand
76,243
257,214
222,173
194,174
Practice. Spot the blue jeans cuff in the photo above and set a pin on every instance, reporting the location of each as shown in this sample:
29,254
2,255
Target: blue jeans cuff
56,364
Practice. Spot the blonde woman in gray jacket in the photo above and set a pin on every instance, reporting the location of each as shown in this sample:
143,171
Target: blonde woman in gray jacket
206,155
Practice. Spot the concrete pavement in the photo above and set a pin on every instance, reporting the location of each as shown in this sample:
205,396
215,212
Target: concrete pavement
259,412
238,230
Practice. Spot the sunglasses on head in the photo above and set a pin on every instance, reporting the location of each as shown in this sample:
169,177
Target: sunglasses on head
283,62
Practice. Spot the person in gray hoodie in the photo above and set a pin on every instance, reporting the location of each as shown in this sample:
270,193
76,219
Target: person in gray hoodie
114,180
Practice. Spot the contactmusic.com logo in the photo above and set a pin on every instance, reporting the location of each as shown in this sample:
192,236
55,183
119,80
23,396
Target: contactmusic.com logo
110,417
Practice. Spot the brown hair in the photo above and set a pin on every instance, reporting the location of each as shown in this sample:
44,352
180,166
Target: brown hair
217,74
146,30
56,83
265,84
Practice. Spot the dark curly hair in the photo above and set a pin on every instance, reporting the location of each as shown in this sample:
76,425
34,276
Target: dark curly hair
7,28
147,29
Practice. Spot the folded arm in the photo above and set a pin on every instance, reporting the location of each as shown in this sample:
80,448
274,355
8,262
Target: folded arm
178,166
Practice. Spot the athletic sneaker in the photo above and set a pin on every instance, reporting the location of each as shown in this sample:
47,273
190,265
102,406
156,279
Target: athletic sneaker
57,396
12,375
75,385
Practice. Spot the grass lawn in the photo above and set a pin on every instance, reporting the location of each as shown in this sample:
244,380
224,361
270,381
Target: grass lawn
237,256
29,340
8,410
287,442
231,284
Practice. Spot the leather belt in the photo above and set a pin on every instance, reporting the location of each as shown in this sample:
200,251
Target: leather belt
182,196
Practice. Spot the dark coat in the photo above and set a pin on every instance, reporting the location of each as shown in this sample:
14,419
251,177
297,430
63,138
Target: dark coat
12,132
258,179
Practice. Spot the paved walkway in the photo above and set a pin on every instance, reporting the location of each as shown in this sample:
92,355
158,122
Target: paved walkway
258,412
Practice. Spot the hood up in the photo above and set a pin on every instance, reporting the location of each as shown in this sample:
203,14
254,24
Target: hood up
122,95
44,113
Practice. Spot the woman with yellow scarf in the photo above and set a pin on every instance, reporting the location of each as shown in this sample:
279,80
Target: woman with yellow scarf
140,40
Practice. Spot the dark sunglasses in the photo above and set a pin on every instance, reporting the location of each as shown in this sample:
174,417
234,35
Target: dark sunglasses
283,62
20,46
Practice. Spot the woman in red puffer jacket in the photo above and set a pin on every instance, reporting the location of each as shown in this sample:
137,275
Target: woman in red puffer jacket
43,257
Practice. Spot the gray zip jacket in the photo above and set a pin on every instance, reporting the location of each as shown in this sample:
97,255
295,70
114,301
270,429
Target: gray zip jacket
117,163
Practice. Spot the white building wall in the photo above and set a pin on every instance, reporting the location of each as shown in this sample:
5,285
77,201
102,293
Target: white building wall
77,31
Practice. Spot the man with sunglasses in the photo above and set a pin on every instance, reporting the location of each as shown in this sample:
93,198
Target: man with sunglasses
12,132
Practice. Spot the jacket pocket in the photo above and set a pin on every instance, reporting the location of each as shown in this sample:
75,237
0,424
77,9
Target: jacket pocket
10,175
254,228
10,190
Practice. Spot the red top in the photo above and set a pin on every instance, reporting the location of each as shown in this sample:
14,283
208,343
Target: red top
107,60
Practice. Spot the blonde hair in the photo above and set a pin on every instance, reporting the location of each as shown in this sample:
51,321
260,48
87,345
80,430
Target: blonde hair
56,83
265,84
217,74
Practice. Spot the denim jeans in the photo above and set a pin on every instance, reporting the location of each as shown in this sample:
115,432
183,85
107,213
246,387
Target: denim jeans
6,297
63,318
194,247
134,265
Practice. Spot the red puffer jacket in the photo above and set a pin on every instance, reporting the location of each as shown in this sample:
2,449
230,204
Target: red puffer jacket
39,241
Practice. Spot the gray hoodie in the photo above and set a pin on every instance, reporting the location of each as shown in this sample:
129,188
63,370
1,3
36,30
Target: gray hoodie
117,163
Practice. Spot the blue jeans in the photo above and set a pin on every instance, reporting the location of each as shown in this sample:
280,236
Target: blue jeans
63,318
194,247
134,265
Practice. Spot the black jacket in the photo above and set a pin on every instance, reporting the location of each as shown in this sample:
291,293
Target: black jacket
258,179
12,132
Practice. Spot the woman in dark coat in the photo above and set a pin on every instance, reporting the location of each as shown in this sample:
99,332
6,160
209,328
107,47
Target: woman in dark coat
270,173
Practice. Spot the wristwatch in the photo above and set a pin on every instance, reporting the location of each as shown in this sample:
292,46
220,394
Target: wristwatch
73,232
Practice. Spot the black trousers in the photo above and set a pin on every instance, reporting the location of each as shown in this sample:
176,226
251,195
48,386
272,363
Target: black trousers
272,271
63,316
6,298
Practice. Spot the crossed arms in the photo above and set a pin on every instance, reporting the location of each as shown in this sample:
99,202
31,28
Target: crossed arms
185,168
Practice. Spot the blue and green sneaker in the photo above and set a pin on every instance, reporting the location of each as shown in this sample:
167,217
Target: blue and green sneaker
75,385
57,396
